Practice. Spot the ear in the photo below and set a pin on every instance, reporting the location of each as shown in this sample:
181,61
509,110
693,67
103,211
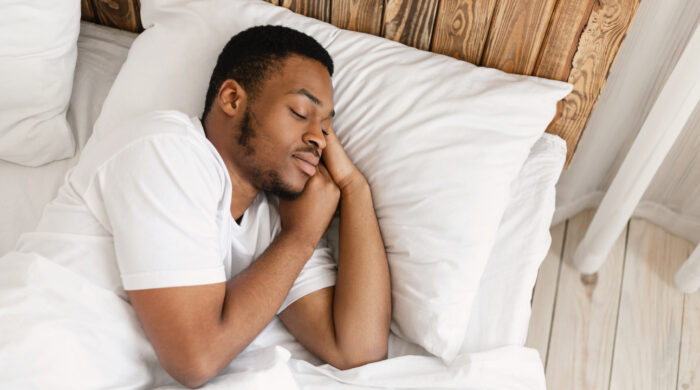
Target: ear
231,97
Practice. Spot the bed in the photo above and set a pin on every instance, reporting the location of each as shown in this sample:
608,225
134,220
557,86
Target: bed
561,40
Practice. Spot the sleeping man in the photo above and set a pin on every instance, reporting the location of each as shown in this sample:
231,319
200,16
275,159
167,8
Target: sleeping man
268,114
211,228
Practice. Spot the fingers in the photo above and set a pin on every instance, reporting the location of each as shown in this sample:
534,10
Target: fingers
330,130
331,138
326,175
322,173
321,168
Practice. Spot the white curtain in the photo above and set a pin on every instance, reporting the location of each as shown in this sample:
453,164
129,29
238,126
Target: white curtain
656,39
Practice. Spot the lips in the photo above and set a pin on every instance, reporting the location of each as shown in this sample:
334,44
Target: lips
307,162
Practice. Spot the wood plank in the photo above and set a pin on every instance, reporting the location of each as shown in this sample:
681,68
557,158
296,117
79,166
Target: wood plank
410,22
358,15
122,14
583,330
544,295
516,34
651,308
87,11
597,49
317,9
689,369
461,28
562,37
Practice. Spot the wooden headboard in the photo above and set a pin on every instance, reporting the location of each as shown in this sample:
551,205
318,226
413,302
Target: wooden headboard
572,40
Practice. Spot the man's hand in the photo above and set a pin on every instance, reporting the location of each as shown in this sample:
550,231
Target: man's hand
348,325
308,216
341,169
197,330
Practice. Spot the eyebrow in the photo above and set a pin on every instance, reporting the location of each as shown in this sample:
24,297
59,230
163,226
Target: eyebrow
311,97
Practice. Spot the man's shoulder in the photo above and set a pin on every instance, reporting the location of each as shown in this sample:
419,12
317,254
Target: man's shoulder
163,126
160,122
149,137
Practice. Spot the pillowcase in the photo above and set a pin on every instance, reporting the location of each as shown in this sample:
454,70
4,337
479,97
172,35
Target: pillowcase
37,59
439,141
501,312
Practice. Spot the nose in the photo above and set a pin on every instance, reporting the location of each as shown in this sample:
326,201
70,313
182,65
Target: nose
314,135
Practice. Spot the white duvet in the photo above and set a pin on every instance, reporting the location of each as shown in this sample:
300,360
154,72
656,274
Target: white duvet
59,331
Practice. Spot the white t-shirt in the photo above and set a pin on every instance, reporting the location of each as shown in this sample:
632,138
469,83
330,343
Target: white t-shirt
148,206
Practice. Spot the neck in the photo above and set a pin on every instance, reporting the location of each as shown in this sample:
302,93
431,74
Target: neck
243,192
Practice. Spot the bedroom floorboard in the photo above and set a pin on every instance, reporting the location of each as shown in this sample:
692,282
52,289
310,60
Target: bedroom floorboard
625,327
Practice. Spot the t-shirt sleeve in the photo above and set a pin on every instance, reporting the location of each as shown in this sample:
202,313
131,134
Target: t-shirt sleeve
161,197
318,272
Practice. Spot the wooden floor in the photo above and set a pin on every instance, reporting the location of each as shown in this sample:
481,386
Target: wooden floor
626,327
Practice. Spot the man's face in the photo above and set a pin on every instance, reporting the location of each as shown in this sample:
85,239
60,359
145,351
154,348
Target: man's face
281,133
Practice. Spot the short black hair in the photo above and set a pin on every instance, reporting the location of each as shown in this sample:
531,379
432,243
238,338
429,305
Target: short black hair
251,55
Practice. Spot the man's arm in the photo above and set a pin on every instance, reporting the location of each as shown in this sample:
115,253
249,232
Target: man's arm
348,325
196,331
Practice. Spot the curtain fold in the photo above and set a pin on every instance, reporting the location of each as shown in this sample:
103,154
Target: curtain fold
648,55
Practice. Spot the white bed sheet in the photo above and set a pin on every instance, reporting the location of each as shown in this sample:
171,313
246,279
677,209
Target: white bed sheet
101,53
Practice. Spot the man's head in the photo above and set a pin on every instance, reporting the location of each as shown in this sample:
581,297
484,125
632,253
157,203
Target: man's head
269,100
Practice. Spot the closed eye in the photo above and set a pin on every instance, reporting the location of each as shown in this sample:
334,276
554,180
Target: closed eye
298,115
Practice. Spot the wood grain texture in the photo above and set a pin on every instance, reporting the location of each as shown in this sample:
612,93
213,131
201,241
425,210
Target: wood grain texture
562,37
358,15
122,14
597,49
410,22
649,325
656,343
317,9
517,31
583,330
87,11
689,369
461,28
544,296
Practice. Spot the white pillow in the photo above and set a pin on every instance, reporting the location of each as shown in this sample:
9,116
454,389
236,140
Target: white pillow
501,311
439,140
37,60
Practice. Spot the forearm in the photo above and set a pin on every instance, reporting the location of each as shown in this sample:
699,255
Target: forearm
254,295
362,300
